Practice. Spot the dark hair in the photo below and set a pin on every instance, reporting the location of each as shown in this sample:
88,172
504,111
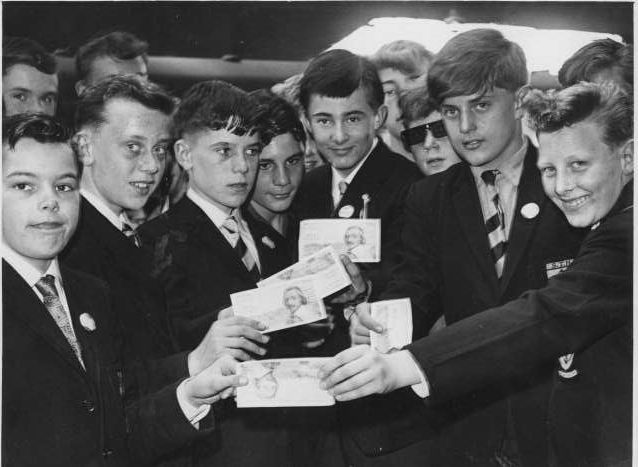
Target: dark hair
216,105
20,50
596,57
406,56
415,104
339,73
278,117
118,44
476,61
607,104
90,107
40,127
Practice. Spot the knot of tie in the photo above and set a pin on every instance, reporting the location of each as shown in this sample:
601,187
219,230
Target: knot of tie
489,176
46,286
131,234
230,224
343,187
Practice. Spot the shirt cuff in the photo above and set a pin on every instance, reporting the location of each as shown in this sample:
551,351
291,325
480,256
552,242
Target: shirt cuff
421,389
192,413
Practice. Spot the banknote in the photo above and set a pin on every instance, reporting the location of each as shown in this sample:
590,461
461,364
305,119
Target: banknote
396,318
359,239
285,382
281,305
325,268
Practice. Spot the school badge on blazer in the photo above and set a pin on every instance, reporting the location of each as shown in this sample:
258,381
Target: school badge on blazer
567,366
346,211
87,322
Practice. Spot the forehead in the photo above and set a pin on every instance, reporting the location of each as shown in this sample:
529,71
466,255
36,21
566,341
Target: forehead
28,77
208,137
583,139
496,94
40,159
105,66
336,106
281,147
391,75
126,115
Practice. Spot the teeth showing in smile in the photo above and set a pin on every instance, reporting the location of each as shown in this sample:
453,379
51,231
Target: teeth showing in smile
576,202
141,185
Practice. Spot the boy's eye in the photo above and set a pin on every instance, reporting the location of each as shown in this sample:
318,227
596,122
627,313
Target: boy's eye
266,165
134,147
161,151
390,92
449,112
548,171
22,97
482,106
578,165
65,187
322,121
49,100
23,186
293,161
223,151
253,152
354,119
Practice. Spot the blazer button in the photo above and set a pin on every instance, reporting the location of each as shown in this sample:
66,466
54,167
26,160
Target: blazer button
88,405
106,452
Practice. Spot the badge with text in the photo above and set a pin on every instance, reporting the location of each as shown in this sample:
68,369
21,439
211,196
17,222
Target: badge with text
359,239
557,267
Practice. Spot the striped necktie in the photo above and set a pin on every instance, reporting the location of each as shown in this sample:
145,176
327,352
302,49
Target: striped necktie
131,234
232,227
51,299
495,223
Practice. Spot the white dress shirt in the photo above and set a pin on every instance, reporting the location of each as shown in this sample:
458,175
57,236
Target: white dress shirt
337,177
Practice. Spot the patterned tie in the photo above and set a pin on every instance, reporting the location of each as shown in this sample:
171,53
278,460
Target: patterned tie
46,286
495,223
131,234
343,187
232,227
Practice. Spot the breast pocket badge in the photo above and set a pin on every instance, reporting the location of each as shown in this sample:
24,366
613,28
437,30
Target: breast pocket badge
567,368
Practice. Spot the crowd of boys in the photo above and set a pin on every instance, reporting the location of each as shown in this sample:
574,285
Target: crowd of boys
123,239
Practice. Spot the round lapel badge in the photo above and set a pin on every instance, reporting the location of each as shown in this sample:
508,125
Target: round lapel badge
530,210
346,211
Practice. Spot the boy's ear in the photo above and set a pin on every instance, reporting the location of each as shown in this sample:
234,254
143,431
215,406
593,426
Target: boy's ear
183,154
627,158
82,142
380,116
80,86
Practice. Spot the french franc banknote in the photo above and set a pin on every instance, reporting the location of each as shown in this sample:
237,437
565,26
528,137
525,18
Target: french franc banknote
323,266
285,382
281,305
359,239
396,318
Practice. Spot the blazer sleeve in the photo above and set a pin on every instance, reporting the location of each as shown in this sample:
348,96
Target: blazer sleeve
592,298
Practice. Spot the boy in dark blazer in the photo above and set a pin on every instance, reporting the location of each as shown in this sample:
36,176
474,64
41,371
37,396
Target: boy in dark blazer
472,242
62,379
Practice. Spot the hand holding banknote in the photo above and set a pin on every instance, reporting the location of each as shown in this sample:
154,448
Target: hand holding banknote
218,381
361,323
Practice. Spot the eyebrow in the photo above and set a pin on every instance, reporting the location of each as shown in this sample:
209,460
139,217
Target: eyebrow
32,175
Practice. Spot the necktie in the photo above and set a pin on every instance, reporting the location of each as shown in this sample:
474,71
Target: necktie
131,234
495,224
343,187
232,227
46,286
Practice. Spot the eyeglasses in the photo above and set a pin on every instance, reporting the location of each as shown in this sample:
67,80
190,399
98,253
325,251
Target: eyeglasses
416,135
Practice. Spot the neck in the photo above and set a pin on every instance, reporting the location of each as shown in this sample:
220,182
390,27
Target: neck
275,219
222,207
87,184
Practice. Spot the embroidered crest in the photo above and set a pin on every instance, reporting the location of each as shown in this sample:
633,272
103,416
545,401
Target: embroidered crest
87,322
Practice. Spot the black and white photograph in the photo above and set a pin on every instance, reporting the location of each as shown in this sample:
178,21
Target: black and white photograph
358,239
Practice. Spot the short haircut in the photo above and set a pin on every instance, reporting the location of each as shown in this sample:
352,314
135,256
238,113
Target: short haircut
408,57
338,73
23,51
278,117
598,56
90,107
216,105
289,90
416,104
476,61
607,104
42,128
118,44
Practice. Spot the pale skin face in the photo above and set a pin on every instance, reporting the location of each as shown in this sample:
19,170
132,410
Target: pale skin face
581,174
40,199
281,169
107,67
221,165
27,90
124,158
434,155
394,82
343,128
484,129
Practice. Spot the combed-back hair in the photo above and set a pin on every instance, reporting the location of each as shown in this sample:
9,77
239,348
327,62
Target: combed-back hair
278,117
120,45
23,51
597,57
90,107
338,73
607,104
408,57
216,105
415,104
40,127
476,61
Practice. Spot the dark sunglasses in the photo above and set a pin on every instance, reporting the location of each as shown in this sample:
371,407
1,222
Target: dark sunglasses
416,135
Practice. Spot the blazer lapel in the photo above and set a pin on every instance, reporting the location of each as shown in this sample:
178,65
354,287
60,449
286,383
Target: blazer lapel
530,192
469,213
20,300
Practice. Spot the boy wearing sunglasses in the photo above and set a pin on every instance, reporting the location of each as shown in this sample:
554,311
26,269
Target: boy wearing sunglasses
424,135
476,236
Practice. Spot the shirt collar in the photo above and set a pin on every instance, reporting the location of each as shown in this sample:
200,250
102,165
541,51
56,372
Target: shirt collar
102,208
511,168
336,177
214,213
28,272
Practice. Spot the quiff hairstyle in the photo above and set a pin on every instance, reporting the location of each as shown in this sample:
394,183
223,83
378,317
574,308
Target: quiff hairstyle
408,57
23,51
607,104
476,61
278,117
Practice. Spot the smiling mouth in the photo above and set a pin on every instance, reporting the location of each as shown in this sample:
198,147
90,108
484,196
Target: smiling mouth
48,226
574,203
281,195
142,187
472,144
434,161
341,151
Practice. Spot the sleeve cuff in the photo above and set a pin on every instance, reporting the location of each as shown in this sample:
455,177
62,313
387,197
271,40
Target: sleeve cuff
192,413
421,389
